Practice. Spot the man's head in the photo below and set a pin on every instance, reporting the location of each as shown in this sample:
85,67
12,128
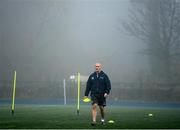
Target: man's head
98,67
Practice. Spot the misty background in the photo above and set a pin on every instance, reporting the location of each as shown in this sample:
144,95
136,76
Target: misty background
49,40
53,39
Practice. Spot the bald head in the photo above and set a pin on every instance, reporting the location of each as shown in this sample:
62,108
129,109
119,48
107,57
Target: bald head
98,67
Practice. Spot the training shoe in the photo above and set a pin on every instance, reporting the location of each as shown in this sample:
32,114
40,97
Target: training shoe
93,123
102,122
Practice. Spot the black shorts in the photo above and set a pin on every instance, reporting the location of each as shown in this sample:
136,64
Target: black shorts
98,99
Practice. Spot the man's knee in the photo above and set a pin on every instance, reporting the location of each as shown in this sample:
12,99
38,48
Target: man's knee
94,106
101,107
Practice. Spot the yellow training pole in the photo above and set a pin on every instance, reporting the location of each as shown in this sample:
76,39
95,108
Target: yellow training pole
14,92
78,96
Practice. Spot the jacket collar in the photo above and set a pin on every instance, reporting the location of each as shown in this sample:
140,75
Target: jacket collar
100,73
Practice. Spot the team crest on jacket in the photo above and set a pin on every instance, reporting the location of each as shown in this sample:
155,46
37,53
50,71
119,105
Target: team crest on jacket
101,77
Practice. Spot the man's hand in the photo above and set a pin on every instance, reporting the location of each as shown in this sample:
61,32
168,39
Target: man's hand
85,97
105,95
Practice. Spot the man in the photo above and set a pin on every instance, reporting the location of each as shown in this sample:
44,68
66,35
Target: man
99,86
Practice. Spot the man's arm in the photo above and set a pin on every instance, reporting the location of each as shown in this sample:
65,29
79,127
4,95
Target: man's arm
108,85
88,87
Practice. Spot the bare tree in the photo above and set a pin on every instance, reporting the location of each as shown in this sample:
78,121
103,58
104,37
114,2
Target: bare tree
157,23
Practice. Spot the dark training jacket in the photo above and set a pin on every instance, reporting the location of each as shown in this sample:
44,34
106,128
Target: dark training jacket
98,84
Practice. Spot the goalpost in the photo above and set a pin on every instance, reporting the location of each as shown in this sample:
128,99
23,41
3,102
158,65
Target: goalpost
78,95
64,86
14,92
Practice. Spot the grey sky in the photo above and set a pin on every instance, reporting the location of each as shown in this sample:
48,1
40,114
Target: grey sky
52,39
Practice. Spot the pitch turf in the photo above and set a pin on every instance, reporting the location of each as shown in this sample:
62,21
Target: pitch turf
65,117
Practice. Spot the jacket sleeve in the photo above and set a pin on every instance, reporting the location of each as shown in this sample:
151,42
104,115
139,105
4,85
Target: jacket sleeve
108,85
88,87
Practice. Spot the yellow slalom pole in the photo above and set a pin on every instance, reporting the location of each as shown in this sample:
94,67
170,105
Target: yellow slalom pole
78,96
14,92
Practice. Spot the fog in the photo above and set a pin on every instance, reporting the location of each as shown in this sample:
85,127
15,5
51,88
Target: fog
53,39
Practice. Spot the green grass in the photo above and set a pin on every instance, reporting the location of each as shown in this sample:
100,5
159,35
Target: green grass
65,117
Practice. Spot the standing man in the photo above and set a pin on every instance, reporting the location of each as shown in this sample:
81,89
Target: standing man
99,86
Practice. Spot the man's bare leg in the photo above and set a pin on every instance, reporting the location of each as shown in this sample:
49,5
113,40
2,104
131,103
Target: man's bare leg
94,113
102,110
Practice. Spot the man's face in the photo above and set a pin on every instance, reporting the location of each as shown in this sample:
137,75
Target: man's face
97,67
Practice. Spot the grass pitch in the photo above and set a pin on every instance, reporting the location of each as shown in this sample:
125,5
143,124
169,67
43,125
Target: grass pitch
65,117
